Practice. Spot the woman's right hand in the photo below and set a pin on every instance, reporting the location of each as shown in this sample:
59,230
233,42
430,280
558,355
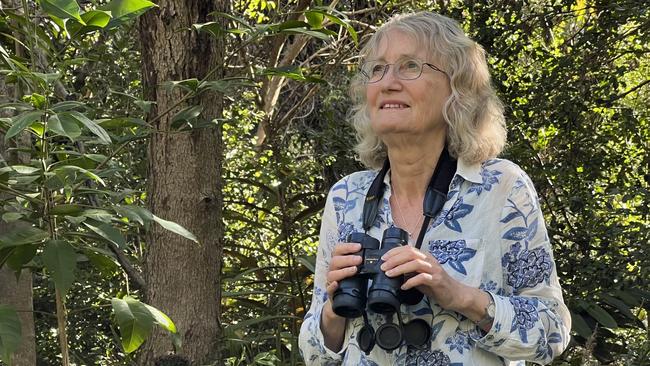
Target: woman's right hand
342,265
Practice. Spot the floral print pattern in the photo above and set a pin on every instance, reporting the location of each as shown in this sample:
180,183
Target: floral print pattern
526,268
494,202
453,251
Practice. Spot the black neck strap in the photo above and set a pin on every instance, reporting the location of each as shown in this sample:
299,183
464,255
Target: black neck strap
434,198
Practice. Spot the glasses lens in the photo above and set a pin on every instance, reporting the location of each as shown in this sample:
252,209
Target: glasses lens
373,71
409,69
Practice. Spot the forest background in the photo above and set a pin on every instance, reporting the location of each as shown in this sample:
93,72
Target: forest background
163,167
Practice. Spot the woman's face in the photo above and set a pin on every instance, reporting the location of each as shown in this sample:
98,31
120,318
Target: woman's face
406,108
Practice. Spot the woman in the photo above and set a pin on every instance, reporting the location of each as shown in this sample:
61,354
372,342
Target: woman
485,265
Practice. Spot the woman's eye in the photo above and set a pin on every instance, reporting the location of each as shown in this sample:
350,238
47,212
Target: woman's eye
377,69
410,65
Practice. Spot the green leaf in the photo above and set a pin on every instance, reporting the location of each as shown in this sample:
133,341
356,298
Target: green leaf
162,319
109,233
346,25
24,169
60,258
175,228
266,359
135,320
99,215
187,84
96,129
62,9
580,326
23,235
67,209
67,170
122,122
66,127
620,305
38,100
213,28
93,19
125,10
309,262
601,315
291,72
315,19
11,216
186,115
290,24
21,256
10,332
102,260
134,213
320,34
22,121
234,18
96,18
67,105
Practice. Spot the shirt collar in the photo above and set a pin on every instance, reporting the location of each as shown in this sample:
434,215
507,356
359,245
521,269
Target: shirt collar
470,172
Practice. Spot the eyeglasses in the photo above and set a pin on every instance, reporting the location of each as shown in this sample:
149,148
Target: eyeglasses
406,69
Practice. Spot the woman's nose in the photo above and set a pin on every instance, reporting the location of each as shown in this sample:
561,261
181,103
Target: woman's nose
390,79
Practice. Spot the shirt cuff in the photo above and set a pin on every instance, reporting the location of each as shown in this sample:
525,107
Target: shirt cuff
499,332
321,338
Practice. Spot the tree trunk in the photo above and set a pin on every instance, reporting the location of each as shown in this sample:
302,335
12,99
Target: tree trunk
18,293
184,181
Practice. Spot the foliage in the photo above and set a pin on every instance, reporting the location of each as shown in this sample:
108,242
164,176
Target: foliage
572,74
68,203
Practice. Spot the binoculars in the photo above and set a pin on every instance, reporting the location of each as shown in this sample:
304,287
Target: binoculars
384,296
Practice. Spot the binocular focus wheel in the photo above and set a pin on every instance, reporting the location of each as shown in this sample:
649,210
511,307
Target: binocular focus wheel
389,336
366,339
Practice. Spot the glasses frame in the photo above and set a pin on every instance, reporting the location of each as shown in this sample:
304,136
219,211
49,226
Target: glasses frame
387,66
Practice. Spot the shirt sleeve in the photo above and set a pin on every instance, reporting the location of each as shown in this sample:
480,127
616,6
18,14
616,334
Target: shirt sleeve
310,340
532,322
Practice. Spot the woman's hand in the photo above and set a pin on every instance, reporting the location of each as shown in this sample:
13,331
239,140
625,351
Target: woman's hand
342,265
430,278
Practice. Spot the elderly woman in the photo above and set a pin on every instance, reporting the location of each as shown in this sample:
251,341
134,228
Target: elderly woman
425,112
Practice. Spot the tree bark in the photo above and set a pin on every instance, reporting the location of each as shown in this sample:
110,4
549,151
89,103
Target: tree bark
17,293
14,292
184,181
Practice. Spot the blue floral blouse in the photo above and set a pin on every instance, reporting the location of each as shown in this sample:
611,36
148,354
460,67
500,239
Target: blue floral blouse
491,235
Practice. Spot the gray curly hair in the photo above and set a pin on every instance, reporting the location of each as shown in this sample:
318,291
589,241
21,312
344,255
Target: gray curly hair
473,113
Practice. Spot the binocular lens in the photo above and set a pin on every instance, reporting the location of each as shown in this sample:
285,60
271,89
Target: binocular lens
383,302
349,303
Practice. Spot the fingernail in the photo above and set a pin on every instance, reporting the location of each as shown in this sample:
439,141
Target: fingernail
403,287
389,273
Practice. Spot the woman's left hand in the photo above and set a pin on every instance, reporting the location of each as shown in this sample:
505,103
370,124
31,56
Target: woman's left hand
430,278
